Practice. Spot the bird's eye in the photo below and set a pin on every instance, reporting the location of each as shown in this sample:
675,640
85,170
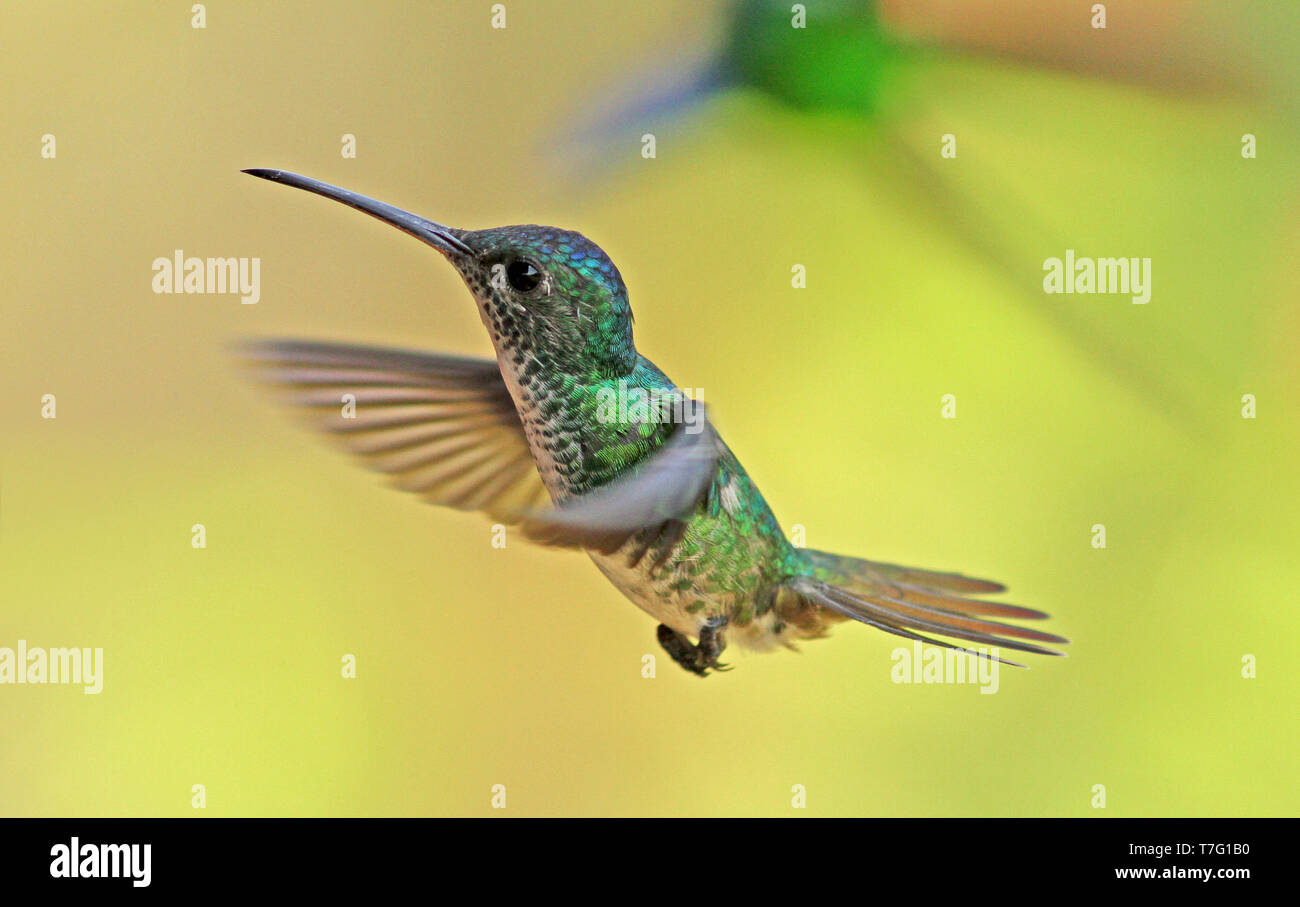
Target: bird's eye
523,275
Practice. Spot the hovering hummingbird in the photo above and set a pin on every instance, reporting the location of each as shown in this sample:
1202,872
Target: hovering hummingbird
662,506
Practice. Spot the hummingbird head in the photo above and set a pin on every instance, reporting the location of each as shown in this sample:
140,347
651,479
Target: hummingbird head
550,295
549,298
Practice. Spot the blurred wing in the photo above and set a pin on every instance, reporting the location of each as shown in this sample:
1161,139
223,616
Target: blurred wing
592,144
666,486
444,427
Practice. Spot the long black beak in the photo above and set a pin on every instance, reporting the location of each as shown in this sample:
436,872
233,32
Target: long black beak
443,238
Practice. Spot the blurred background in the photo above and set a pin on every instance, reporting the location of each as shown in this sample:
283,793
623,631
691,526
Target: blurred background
479,666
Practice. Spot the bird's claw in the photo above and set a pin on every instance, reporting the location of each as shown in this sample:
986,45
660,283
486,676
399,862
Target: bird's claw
698,659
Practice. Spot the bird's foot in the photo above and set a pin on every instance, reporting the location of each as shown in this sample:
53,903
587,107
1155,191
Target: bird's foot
698,659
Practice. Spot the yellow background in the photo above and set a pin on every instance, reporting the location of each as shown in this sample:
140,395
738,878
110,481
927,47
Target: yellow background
521,666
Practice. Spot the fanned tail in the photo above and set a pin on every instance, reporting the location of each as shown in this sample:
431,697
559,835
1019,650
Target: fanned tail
910,602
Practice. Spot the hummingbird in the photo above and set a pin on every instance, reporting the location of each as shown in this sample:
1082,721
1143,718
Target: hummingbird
651,493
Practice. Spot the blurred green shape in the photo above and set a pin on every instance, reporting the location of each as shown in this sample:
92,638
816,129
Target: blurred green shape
847,62
893,96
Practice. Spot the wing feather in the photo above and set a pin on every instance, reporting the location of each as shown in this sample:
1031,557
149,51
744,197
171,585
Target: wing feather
666,486
444,427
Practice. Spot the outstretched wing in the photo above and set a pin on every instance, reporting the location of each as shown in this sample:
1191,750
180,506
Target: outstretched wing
446,428
443,427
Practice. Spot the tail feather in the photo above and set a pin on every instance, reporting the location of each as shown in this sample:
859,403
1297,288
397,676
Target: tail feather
904,600
877,571
922,596
816,592
958,621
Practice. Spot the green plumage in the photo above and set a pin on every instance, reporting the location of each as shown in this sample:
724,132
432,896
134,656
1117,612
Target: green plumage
635,475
